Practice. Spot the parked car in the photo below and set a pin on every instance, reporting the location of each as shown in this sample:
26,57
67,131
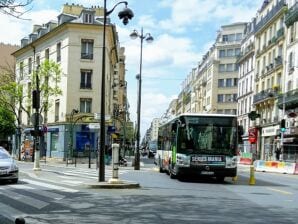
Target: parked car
8,167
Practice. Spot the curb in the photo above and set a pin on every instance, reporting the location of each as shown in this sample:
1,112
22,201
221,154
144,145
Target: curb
107,185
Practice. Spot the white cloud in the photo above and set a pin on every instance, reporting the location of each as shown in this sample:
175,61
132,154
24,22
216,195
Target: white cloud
196,12
16,29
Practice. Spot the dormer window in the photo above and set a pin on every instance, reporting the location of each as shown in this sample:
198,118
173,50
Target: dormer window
88,18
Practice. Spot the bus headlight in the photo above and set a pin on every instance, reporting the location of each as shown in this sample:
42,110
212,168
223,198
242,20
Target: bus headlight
231,161
183,160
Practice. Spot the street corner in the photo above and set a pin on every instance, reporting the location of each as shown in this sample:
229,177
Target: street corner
113,184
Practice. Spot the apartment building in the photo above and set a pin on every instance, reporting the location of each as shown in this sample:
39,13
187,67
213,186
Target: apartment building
269,72
288,101
214,81
74,42
246,63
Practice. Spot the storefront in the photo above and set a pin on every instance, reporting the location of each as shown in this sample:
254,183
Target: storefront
268,141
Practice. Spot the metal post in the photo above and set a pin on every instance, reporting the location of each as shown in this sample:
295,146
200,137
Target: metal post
137,152
36,127
101,177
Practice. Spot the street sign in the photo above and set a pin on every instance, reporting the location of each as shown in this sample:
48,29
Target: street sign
97,116
94,126
33,118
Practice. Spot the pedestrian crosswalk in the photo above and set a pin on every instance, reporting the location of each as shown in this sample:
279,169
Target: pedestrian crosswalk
29,196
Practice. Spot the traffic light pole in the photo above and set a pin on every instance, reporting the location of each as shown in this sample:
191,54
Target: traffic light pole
36,105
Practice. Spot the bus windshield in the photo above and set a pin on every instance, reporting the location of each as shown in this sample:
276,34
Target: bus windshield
212,138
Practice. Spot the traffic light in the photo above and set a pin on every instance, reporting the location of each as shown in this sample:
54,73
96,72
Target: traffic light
35,99
283,125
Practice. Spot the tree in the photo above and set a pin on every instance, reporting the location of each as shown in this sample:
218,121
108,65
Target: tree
15,91
49,77
7,120
14,8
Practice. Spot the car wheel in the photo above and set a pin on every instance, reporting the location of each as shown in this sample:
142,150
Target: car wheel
15,181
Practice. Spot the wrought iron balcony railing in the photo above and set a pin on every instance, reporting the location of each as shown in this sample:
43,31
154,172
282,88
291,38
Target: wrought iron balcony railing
292,15
290,99
272,13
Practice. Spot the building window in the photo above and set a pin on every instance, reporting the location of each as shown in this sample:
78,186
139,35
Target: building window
57,109
87,49
47,54
222,53
58,50
88,18
230,67
38,60
237,51
85,105
230,52
21,69
221,67
224,38
229,83
86,76
220,98
221,83
29,65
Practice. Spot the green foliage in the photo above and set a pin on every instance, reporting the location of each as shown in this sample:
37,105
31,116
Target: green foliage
7,122
49,77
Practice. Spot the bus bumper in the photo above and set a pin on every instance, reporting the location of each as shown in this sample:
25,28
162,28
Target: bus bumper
207,171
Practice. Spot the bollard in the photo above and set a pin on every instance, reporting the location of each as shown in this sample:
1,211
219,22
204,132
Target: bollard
115,160
20,220
252,180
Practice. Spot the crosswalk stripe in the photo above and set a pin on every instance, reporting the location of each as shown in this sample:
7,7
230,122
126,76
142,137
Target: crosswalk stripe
47,194
51,186
9,212
25,199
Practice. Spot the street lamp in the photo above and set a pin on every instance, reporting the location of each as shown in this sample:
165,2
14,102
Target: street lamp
126,14
149,39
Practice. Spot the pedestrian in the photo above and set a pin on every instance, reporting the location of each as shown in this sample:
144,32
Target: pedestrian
277,153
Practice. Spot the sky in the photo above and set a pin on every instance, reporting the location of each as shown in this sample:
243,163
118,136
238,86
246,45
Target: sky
183,31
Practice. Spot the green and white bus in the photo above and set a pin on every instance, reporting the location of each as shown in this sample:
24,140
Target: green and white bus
198,144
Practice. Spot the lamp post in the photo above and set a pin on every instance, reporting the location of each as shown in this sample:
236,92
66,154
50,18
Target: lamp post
126,14
148,39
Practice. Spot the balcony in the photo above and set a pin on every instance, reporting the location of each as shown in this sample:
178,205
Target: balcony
264,95
280,33
292,15
291,99
273,13
88,56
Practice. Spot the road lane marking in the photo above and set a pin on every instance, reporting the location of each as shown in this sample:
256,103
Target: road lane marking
10,213
280,191
51,186
26,200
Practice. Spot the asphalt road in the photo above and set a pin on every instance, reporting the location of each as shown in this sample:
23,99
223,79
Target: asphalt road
58,194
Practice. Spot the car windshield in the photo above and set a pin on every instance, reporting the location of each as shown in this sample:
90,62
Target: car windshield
4,155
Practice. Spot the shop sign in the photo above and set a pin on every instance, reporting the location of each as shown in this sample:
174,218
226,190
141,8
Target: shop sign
252,135
270,131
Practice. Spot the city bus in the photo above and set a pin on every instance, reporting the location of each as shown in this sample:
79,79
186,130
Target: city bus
198,144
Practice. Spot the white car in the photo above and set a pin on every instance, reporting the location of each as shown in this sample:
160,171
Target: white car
8,167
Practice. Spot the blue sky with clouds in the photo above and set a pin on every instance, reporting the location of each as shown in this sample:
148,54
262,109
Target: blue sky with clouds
183,31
